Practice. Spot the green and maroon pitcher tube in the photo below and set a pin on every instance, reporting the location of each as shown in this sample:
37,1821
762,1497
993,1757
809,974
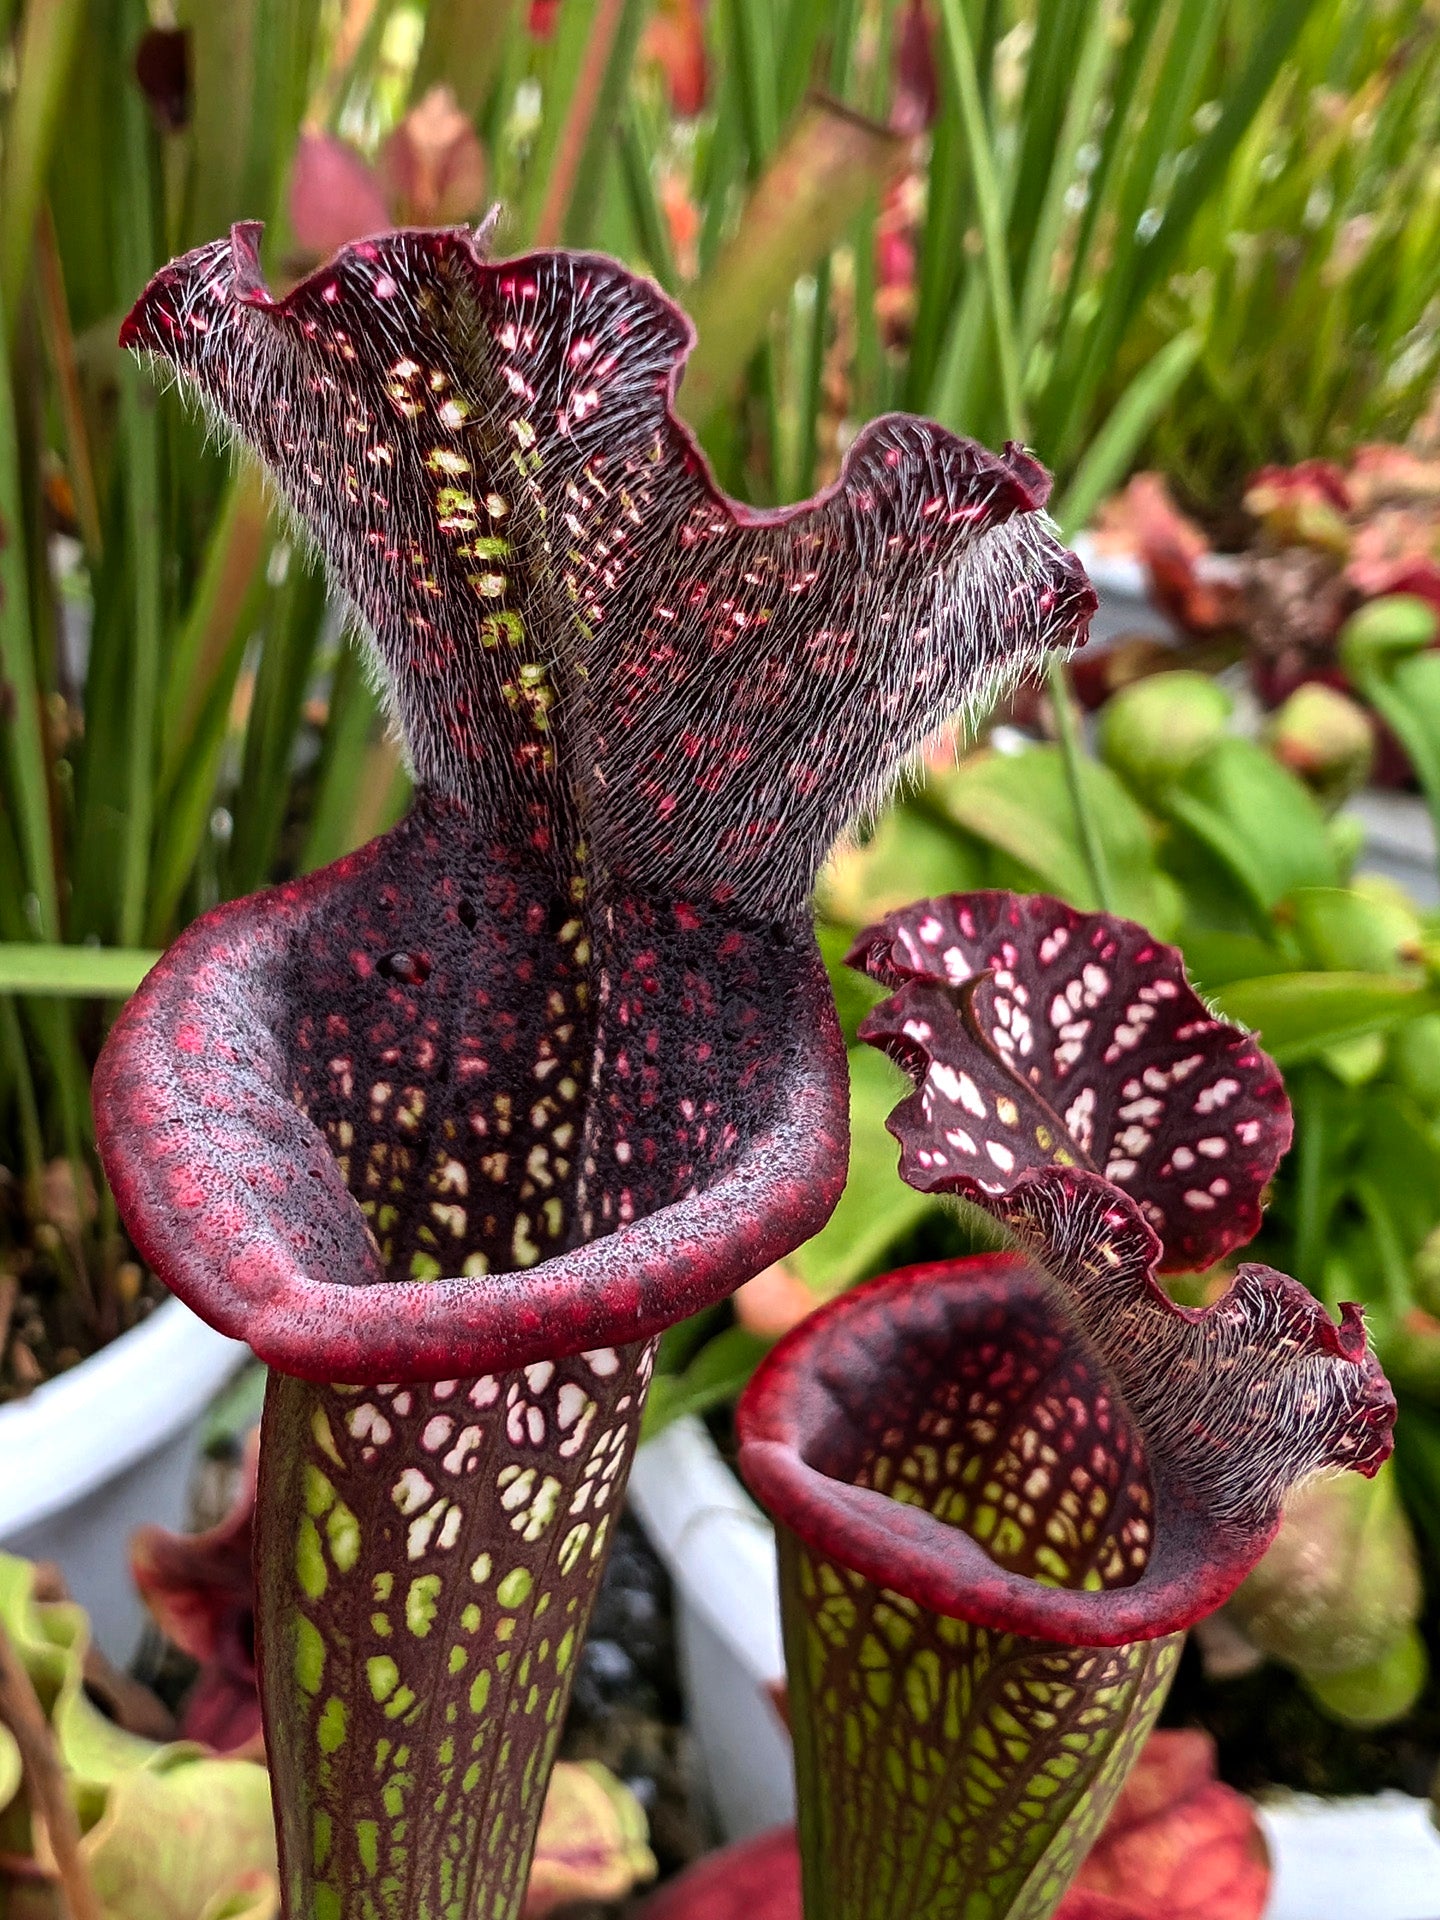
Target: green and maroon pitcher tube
984,1589
1005,1486
450,1131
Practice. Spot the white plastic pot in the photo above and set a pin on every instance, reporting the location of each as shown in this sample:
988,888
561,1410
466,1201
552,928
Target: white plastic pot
1122,586
1366,1859
103,1449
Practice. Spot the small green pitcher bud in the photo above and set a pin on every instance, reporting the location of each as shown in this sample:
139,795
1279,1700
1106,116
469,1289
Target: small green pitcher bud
1339,1591
1326,738
1154,730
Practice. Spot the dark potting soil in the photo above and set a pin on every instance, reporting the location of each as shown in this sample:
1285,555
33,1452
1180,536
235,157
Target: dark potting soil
1269,1732
627,1711
54,1310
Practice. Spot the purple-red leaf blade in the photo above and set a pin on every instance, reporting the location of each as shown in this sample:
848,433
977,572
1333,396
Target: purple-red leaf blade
1040,1036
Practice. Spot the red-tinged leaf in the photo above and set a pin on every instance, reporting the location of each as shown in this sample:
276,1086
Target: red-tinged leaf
915,98
674,41
831,164
433,166
757,1879
1040,1037
200,1592
334,194
1081,1904
1144,520
1178,1845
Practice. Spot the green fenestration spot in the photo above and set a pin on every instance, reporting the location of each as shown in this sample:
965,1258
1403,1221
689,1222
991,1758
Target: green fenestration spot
458,1657
310,1561
309,1655
342,1530
327,1904
330,1728
322,1833
383,1675
564,1650
480,1690
367,1842
422,1603
319,1493
514,1589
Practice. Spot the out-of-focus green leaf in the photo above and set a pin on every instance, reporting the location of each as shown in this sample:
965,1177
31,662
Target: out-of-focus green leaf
1340,1583
12,1772
255,1897
877,1207
1402,684
719,1372
1110,456
48,40
910,856
1415,1061
1257,819
1417,1466
855,993
168,1830
88,973
1019,803
1154,730
176,1836
1384,1690
1368,928
462,49
1214,959
1299,1015
1396,1158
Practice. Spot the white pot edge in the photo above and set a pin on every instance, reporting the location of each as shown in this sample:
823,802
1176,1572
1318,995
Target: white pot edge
716,1544
89,1425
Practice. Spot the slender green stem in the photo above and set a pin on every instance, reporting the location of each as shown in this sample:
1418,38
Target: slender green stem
27,1111
1312,1153
73,973
47,49
25,744
140,430
1072,755
1005,335
978,142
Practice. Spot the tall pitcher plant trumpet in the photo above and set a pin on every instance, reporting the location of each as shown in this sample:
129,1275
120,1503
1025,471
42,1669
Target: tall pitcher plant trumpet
451,1130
